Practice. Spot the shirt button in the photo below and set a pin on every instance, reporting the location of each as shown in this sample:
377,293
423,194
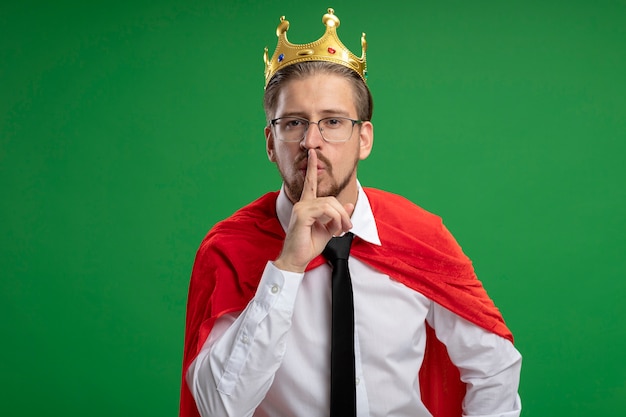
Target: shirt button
275,289
245,340
357,380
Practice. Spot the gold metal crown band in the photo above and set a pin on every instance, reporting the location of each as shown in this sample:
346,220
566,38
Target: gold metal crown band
327,48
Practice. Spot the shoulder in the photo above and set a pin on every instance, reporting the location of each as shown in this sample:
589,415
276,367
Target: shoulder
390,207
232,256
257,212
404,226
246,228
403,222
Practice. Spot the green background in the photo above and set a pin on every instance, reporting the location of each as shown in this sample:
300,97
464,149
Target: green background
128,128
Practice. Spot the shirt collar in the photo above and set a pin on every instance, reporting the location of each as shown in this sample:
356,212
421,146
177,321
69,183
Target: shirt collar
363,222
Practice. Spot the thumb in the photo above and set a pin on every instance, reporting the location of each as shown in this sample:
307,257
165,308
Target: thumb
349,208
347,223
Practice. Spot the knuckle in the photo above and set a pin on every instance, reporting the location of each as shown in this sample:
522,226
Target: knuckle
297,208
328,207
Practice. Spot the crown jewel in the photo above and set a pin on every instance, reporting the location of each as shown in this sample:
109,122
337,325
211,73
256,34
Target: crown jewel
327,48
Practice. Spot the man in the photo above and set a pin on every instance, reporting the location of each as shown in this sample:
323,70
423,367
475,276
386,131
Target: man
426,339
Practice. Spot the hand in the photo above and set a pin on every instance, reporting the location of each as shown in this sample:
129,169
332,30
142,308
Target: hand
314,221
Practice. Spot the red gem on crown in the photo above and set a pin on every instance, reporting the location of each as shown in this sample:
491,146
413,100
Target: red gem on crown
331,50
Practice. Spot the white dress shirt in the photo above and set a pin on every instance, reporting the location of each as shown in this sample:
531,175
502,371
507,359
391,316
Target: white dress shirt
273,359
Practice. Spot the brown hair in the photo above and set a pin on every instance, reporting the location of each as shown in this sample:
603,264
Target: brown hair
362,96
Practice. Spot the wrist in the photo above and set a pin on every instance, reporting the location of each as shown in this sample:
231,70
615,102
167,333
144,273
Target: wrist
285,265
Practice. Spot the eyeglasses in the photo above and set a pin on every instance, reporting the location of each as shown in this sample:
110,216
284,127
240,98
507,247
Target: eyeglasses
332,129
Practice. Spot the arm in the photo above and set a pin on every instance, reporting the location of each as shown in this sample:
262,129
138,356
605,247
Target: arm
237,364
235,368
489,365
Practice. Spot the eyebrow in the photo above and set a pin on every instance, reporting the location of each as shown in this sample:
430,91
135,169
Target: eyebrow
325,113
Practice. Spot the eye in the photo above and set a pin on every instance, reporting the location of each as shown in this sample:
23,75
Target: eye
290,123
333,122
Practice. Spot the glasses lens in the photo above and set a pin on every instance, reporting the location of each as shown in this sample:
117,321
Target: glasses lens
290,129
336,129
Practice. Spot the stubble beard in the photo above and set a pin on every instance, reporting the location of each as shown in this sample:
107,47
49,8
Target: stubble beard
295,185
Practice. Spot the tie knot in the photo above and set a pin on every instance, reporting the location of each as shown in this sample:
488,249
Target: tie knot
338,248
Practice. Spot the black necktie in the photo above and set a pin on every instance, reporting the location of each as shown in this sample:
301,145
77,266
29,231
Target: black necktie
342,373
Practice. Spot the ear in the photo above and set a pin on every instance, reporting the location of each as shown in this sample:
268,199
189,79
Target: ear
269,144
366,139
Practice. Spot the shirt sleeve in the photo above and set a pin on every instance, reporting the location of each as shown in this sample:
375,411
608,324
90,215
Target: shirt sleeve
235,368
489,365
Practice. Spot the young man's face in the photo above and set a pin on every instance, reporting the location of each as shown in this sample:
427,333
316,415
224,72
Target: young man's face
313,98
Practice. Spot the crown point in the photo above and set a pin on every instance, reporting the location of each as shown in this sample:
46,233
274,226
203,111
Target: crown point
330,20
283,26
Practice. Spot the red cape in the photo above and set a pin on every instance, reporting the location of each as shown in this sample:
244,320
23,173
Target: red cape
416,250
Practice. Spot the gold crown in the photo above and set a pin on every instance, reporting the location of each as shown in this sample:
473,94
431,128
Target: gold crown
327,48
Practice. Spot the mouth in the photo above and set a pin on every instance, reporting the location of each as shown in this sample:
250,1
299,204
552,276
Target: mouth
303,170
303,162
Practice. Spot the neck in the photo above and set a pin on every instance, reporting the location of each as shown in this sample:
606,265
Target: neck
349,194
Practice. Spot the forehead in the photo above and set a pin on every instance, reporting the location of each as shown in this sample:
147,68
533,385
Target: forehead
317,95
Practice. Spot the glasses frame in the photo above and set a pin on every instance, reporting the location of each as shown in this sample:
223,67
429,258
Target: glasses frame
309,123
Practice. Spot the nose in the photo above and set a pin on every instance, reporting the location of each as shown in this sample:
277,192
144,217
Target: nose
313,137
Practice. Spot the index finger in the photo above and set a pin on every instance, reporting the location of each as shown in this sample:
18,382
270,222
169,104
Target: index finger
309,188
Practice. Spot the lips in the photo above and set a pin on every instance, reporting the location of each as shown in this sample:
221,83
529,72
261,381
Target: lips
302,166
303,163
